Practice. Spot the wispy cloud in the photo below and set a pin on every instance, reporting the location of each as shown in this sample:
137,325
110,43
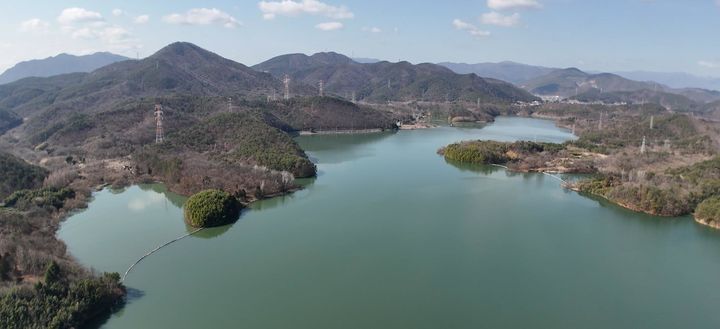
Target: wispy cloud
513,4
329,26
372,29
472,29
117,12
498,19
203,16
142,19
34,25
272,9
710,64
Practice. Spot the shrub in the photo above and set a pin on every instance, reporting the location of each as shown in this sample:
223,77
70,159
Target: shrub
211,208
709,210
45,197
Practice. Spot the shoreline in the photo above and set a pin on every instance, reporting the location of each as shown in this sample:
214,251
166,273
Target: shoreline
709,223
338,132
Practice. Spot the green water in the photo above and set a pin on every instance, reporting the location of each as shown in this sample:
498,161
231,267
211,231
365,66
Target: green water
389,235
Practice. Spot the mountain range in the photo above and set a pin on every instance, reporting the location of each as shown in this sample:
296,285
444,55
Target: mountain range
512,72
385,81
573,82
60,64
520,74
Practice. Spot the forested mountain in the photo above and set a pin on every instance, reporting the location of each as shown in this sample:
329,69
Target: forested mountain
108,114
60,64
384,81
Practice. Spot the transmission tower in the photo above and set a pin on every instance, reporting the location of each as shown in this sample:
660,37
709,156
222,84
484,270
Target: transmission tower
286,81
322,85
353,97
229,103
158,124
642,148
652,122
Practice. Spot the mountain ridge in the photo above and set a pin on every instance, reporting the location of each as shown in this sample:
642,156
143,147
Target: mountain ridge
60,64
386,81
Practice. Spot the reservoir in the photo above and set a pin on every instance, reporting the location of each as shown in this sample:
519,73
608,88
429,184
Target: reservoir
390,235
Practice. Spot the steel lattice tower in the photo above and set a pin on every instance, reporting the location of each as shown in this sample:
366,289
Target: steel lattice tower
286,81
158,124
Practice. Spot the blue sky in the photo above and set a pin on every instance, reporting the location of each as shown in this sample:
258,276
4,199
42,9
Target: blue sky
609,35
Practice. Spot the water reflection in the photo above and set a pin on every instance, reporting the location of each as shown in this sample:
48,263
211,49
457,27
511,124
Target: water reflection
475,168
176,199
213,232
341,147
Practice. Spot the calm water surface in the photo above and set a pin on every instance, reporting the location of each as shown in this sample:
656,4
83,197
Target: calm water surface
390,235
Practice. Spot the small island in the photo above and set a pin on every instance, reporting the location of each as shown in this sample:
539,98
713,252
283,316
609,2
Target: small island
210,208
522,156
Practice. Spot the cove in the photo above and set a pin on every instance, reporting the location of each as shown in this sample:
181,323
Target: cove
390,235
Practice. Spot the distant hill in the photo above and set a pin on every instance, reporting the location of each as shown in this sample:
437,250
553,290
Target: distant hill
674,80
60,64
512,72
673,102
385,81
572,81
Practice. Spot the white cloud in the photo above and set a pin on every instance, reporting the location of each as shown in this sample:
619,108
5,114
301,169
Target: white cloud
710,64
271,9
80,23
372,29
512,4
34,25
203,16
117,12
329,26
142,19
495,18
472,29
78,15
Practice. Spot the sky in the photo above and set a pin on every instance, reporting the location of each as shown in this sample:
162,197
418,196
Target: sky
596,35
